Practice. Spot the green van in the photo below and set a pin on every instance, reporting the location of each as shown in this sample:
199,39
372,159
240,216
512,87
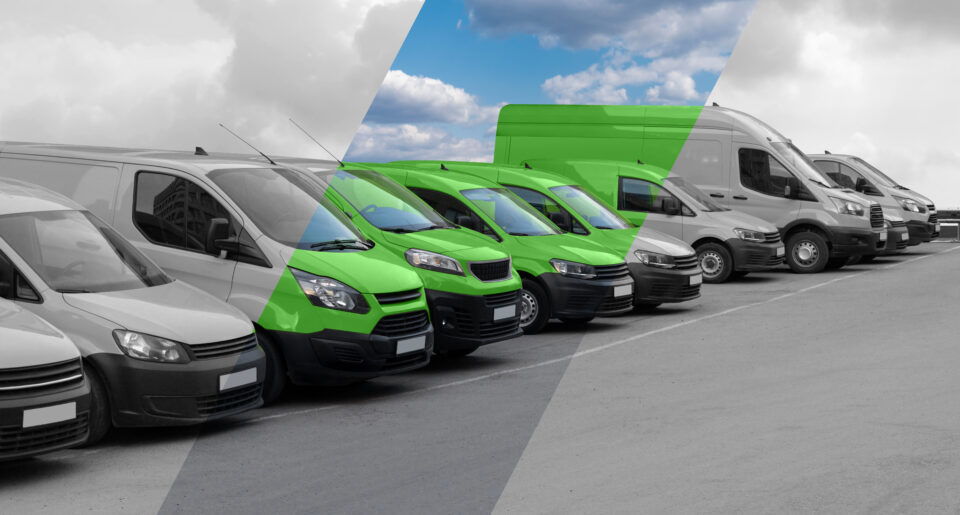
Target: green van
664,268
470,286
563,276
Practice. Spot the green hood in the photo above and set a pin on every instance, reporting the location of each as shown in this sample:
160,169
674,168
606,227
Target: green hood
462,244
373,271
568,247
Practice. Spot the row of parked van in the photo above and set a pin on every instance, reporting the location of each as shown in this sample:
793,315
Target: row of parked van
156,288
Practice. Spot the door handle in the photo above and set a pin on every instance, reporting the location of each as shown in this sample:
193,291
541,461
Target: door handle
716,195
740,197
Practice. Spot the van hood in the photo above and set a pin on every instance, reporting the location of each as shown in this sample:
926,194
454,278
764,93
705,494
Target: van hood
568,247
371,271
27,340
739,220
176,311
462,244
656,241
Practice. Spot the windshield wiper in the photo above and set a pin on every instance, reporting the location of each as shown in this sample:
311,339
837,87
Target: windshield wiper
341,244
602,227
406,230
519,234
73,290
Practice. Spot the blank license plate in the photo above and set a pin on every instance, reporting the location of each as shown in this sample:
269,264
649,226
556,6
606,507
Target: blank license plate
696,279
780,251
505,312
49,415
411,344
904,236
883,235
936,228
236,379
622,291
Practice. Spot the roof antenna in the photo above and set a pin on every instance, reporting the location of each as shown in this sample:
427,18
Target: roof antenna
827,152
444,168
716,104
317,142
199,151
639,162
527,165
248,144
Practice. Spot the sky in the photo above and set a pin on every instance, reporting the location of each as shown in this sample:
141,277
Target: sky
164,73
464,59
874,78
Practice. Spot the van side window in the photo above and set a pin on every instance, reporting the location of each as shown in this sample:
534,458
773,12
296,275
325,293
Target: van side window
547,205
759,171
172,211
848,177
643,196
453,210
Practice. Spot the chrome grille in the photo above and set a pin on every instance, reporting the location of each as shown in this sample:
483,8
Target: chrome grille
397,297
226,348
41,378
687,262
490,271
876,216
771,237
612,271
402,324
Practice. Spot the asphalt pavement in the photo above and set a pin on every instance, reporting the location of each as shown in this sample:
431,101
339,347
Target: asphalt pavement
777,392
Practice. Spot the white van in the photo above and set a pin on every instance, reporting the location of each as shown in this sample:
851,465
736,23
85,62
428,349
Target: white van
44,399
156,351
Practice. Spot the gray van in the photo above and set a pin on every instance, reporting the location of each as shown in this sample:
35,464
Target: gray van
156,351
44,399
919,212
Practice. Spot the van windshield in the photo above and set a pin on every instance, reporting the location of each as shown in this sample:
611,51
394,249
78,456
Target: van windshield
289,208
386,204
590,208
513,215
801,163
75,252
882,178
698,197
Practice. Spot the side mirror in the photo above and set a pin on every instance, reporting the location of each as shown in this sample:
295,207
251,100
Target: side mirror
562,220
466,221
219,230
7,278
671,206
792,188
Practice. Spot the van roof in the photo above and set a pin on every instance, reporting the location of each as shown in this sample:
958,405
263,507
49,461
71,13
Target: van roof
201,164
22,197
622,168
450,179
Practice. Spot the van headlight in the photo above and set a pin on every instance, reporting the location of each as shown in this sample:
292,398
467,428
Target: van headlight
748,235
150,348
573,269
848,207
655,260
433,261
908,204
330,293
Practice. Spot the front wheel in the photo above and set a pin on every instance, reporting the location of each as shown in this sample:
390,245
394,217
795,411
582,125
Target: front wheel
534,307
100,423
275,377
716,262
807,252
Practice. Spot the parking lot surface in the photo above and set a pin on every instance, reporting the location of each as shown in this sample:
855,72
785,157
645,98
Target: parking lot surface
776,392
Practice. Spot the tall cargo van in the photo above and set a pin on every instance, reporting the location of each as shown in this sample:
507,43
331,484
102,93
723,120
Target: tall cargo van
739,161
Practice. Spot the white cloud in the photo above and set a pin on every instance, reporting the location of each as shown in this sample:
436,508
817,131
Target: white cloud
162,73
381,143
865,78
414,99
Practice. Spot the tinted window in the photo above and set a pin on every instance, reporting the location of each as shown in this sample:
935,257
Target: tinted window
759,171
699,197
454,210
160,211
513,215
547,206
640,195
383,202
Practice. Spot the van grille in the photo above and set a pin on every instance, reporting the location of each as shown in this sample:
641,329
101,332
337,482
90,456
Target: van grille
227,348
393,326
495,300
898,223
15,440
229,401
931,207
771,237
612,271
673,291
876,215
42,378
397,297
933,219
687,262
615,304
491,270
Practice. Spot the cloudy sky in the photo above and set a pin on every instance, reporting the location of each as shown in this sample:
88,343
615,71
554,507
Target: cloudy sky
163,73
463,59
875,78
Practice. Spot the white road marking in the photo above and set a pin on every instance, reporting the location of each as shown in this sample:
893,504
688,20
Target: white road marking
610,345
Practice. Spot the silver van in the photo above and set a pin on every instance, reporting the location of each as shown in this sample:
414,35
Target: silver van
919,212
44,399
156,351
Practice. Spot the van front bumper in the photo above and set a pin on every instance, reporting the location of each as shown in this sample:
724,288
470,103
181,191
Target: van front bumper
854,241
659,285
463,322
19,442
584,298
897,239
921,232
147,393
332,357
751,256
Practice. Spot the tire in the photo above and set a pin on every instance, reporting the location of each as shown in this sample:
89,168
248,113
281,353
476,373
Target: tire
738,274
807,252
275,376
459,353
534,307
716,262
576,321
100,422
867,259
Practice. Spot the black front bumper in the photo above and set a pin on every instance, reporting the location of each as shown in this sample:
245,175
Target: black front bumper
921,232
854,241
751,256
895,240
658,285
462,322
144,393
19,442
584,298
332,357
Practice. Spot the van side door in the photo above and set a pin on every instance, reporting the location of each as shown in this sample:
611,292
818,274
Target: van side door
645,204
758,186
169,215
